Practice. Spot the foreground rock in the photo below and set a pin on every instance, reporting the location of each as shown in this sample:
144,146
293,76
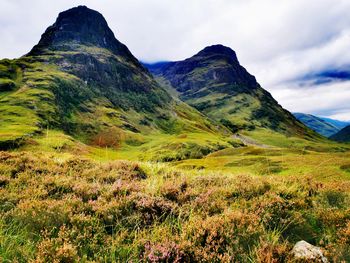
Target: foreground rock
306,251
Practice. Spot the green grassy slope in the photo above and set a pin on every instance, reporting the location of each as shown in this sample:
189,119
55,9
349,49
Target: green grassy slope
343,135
82,81
216,84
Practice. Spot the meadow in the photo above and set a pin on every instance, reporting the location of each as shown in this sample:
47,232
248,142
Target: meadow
63,201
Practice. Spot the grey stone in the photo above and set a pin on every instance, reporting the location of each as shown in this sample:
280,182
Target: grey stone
304,250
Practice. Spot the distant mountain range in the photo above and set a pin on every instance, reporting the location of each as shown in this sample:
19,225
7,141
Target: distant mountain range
323,126
339,124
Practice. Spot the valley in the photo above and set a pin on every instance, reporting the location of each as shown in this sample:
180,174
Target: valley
106,159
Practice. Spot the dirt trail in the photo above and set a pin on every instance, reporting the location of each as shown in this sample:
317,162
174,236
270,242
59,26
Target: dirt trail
250,141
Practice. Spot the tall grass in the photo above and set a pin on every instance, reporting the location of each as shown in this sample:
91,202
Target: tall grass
78,210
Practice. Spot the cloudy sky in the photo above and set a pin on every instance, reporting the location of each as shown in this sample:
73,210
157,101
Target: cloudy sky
295,48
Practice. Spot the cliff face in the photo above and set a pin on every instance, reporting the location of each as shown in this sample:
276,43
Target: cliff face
81,26
216,84
80,79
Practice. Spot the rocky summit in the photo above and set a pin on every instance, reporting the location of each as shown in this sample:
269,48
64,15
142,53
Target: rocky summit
81,80
214,82
80,26
104,160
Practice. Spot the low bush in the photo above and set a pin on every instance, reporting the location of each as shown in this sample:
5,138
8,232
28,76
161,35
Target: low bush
78,210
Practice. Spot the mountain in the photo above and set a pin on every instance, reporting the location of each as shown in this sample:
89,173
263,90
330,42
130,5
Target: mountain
339,124
79,79
216,84
343,135
317,124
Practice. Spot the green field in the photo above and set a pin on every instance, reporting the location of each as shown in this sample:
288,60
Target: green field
64,201
106,159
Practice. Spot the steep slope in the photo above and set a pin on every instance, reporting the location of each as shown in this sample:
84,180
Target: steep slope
216,84
342,136
80,79
339,124
317,124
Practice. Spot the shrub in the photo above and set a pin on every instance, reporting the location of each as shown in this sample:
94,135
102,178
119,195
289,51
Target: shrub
223,238
166,252
57,249
335,198
268,252
153,209
41,215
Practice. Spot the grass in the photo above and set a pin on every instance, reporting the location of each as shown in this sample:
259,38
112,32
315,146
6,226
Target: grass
72,209
152,147
210,152
43,96
101,174
65,201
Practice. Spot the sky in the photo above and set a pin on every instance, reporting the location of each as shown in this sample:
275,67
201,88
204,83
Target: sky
287,44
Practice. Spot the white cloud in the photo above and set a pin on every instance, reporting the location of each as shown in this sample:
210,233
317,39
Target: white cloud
277,41
328,100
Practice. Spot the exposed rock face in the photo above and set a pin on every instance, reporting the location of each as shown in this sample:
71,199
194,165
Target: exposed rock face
81,43
305,251
83,26
80,79
214,82
222,67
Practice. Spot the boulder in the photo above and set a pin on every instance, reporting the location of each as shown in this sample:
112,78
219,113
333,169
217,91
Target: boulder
305,251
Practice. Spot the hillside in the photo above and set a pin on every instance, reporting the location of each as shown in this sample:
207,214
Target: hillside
79,79
343,135
339,124
105,160
216,84
317,124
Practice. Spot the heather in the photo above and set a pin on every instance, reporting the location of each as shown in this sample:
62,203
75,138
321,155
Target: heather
77,210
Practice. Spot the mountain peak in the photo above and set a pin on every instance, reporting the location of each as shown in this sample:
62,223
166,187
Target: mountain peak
218,50
82,26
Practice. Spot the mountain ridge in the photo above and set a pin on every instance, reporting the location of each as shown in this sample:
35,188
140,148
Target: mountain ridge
343,135
214,82
91,89
317,124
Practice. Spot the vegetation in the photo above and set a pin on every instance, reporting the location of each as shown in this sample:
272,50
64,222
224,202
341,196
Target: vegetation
102,164
43,96
55,209
214,83
343,135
